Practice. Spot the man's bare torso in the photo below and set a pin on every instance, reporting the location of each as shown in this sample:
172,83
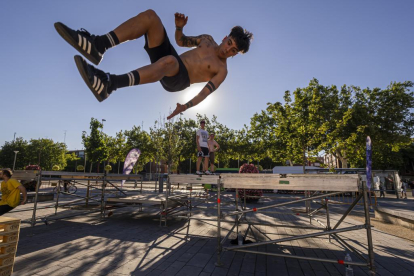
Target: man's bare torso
202,63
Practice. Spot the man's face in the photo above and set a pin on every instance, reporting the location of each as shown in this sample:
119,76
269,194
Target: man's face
228,48
211,136
202,124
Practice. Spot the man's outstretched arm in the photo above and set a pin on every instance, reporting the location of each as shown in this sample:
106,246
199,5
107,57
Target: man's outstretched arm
210,87
183,40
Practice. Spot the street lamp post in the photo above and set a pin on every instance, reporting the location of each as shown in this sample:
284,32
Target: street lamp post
103,120
15,156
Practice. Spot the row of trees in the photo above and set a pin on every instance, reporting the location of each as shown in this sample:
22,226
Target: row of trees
337,121
43,152
312,121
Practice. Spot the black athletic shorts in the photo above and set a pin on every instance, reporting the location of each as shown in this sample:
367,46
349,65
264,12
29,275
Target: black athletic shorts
5,208
175,83
203,153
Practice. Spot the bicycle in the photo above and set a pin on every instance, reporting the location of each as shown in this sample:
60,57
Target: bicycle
68,187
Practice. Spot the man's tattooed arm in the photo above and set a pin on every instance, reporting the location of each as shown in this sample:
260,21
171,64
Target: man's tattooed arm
190,41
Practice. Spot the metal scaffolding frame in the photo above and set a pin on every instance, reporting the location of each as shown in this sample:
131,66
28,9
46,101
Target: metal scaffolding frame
335,184
101,181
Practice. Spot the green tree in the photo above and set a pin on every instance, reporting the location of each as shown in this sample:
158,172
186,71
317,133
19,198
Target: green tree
172,146
71,160
46,153
386,116
157,139
7,154
117,148
95,144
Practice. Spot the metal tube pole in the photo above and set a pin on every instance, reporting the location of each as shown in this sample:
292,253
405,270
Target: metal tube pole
348,211
87,193
262,224
219,247
351,248
302,257
103,196
244,195
35,203
237,209
328,221
228,234
347,229
282,204
57,197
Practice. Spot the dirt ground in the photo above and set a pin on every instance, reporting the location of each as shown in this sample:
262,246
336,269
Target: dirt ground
389,228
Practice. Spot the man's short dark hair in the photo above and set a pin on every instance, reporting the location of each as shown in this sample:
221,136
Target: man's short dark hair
7,173
242,38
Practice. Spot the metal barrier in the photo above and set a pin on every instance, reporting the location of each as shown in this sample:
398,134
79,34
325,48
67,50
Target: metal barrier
349,198
95,181
338,183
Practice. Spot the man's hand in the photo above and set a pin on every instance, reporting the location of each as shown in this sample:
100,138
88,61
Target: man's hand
180,108
180,20
23,202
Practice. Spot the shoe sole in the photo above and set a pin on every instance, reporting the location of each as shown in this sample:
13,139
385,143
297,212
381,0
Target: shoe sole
79,63
69,39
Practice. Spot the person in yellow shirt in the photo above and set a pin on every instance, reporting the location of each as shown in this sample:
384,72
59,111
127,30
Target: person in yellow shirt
10,193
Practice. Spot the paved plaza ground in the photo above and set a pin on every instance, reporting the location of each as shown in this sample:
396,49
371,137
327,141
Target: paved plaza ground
132,243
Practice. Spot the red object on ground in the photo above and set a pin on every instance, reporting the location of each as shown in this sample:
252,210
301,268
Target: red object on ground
218,200
254,209
340,261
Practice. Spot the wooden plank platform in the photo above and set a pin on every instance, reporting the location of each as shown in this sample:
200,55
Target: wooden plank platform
193,179
146,199
295,182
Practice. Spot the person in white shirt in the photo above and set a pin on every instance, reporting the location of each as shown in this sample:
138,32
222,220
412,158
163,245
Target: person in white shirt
202,148
213,146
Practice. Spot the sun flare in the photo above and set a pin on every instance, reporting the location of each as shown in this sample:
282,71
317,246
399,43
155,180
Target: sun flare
192,92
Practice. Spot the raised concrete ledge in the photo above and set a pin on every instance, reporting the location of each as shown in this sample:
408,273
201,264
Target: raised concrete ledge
399,217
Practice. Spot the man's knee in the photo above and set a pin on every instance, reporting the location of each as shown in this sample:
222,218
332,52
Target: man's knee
150,15
168,61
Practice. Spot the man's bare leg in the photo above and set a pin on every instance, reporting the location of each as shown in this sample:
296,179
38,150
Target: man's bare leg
93,47
146,22
165,67
205,167
198,163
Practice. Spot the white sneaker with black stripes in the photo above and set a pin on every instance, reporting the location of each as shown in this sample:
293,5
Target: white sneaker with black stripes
81,40
97,80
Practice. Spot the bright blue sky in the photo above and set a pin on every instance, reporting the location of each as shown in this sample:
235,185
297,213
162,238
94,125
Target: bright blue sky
363,43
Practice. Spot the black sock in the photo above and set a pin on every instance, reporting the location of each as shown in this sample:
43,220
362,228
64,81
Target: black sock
104,42
129,79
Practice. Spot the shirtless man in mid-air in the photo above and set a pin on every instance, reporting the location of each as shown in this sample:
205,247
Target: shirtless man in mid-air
205,63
